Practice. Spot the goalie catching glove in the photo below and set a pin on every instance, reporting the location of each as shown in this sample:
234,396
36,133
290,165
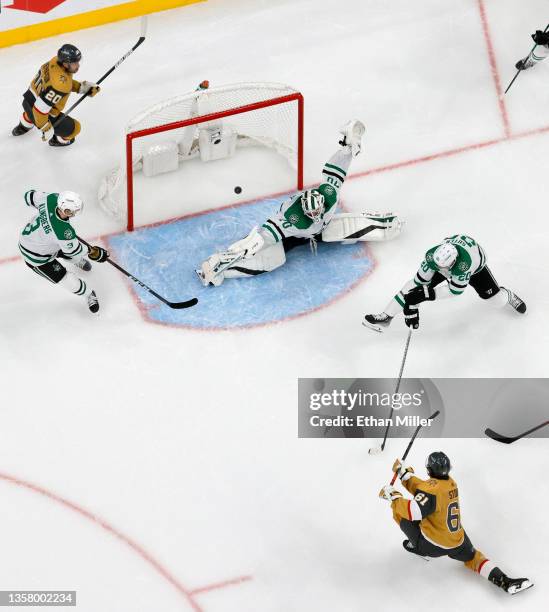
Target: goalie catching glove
97,253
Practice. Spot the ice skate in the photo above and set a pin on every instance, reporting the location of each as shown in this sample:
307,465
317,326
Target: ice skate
57,142
93,302
377,322
514,301
20,129
83,264
511,585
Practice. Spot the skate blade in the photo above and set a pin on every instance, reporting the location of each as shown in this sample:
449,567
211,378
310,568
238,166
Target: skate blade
373,327
201,277
525,585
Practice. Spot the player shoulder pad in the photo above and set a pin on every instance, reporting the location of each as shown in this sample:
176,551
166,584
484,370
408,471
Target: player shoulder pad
60,79
426,499
463,262
62,229
429,257
329,193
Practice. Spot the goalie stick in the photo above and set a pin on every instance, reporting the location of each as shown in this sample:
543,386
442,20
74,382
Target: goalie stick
175,305
141,39
375,450
519,71
433,416
510,439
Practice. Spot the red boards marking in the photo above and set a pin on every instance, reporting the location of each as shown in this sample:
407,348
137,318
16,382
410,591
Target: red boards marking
35,6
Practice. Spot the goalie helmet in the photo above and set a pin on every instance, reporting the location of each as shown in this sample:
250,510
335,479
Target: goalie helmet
438,465
70,203
445,255
68,54
312,202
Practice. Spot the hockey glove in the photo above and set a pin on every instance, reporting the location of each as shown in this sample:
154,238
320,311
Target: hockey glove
541,38
97,253
404,472
389,493
419,294
88,86
411,316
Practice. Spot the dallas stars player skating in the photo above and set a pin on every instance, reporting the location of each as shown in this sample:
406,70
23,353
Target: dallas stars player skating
538,54
432,521
306,217
50,236
458,260
45,99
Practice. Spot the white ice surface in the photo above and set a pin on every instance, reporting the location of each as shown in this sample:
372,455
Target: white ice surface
186,441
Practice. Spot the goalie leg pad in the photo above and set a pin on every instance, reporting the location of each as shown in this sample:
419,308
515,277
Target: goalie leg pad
265,260
349,228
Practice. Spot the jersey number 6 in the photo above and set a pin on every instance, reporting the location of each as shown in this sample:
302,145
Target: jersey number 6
452,517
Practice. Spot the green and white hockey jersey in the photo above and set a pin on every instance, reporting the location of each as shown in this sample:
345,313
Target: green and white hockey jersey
47,234
290,220
471,259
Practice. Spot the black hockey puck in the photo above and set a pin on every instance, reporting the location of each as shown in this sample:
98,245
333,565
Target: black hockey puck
238,189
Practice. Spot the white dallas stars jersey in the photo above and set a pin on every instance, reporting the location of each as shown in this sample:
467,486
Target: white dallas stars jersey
47,233
290,220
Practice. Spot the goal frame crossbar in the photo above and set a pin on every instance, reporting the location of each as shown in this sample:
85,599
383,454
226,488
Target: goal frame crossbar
131,136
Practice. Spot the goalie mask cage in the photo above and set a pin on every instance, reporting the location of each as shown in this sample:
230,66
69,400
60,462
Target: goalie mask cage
264,114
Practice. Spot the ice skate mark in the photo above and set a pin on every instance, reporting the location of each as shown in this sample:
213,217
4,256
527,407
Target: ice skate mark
187,594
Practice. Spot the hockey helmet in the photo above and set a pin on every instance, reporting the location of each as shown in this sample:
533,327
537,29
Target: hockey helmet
438,465
68,54
445,255
69,203
312,202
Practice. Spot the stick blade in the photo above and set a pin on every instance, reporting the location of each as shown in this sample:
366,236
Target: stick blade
187,304
498,437
375,450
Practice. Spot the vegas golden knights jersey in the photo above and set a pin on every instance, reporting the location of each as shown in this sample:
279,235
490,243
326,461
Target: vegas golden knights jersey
436,506
51,87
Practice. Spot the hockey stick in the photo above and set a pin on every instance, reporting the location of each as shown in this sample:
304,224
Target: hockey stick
519,71
176,305
141,39
375,450
509,440
433,416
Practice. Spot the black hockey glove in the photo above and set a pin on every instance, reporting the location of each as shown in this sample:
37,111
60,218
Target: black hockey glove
541,38
97,253
411,316
419,294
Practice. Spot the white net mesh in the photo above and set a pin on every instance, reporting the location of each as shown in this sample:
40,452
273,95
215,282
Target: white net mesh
273,126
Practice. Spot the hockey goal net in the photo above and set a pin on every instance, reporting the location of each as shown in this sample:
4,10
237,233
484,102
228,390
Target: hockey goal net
209,124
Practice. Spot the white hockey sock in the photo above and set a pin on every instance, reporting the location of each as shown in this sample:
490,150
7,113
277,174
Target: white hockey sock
26,122
74,284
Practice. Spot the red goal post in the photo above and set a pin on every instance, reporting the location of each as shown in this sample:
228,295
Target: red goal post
287,138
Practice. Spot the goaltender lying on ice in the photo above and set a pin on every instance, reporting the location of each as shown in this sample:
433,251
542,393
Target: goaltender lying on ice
308,216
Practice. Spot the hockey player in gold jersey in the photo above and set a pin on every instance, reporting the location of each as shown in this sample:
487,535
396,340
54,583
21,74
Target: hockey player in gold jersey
47,95
432,521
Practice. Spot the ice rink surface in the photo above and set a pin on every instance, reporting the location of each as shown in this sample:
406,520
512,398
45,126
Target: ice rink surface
153,467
